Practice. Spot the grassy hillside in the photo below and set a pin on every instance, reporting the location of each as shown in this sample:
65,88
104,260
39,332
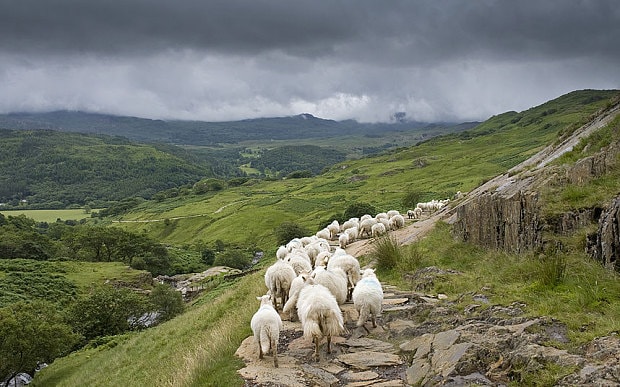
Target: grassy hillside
197,348
434,169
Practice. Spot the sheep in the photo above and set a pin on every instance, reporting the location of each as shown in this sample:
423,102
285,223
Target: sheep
365,216
378,229
322,258
324,234
349,264
319,314
391,213
381,215
293,244
368,297
290,307
352,233
316,247
349,224
299,262
417,213
366,227
343,240
385,222
410,214
278,278
334,229
281,252
334,279
266,325
396,222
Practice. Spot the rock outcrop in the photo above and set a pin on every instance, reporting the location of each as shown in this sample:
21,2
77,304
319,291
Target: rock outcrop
504,213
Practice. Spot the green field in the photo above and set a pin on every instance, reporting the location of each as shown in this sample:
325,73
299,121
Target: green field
49,216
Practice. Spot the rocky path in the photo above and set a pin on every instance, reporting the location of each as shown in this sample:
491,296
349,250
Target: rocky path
425,340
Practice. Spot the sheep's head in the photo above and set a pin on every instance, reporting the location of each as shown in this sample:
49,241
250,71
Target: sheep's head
265,299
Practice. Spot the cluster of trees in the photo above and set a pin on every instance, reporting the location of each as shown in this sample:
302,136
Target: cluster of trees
55,169
288,159
22,237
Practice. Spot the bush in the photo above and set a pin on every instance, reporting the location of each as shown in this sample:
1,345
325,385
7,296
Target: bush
289,230
390,255
235,258
411,199
356,210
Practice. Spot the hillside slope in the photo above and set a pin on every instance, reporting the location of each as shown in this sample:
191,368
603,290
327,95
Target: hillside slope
489,309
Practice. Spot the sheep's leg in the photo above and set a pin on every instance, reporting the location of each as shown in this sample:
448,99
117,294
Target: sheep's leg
329,344
316,348
274,346
260,349
374,322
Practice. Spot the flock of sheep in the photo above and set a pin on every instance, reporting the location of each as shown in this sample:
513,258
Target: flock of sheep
309,282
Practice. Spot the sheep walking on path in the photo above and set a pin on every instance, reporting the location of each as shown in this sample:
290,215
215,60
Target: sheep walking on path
368,297
278,278
266,325
319,315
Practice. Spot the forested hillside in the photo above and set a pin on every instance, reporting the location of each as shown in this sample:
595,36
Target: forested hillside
52,169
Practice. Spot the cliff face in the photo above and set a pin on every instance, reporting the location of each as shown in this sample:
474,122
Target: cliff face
505,212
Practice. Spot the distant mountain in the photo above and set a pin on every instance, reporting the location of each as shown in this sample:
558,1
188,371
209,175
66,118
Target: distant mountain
303,126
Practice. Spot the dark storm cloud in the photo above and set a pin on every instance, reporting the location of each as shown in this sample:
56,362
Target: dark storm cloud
213,59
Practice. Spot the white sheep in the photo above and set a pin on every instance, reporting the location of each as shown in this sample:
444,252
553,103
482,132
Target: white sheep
319,314
266,325
322,258
410,214
349,264
352,233
391,213
396,222
343,240
323,234
290,307
365,216
334,229
417,213
378,229
366,227
381,215
299,262
334,279
368,297
353,222
281,252
278,278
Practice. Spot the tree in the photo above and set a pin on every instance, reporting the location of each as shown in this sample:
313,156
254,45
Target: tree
208,256
108,311
167,301
31,333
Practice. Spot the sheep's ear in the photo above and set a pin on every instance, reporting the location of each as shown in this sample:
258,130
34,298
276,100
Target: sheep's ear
259,298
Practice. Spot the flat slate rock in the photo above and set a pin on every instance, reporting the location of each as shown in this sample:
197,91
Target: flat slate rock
366,359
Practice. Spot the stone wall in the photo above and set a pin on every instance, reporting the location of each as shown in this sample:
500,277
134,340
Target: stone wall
604,245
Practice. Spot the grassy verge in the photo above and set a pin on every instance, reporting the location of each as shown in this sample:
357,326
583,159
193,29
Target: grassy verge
567,286
194,349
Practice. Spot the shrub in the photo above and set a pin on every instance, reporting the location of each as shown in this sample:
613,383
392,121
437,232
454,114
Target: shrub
289,230
167,301
235,258
356,210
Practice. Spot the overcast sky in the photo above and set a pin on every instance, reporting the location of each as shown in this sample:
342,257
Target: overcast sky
220,60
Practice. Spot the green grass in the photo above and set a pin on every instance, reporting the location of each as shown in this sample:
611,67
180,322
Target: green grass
49,216
194,349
